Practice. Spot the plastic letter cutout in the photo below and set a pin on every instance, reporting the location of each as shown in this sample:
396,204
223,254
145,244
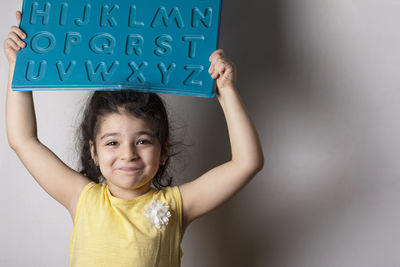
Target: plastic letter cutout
151,46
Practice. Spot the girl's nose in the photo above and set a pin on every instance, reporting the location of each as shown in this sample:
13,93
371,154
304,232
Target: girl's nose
129,153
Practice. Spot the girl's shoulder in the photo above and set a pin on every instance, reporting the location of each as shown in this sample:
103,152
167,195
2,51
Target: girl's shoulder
170,193
170,196
91,192
92,186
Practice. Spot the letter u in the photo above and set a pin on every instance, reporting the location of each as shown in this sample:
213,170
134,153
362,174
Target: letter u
41,71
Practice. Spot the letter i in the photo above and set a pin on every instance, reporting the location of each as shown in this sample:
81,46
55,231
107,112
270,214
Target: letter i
63,14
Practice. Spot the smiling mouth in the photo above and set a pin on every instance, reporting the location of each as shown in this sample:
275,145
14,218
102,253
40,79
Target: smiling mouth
129,170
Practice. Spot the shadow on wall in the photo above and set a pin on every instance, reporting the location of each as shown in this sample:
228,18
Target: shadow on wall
250,37
249,230
252,30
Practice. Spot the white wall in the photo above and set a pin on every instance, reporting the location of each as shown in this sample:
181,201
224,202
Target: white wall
321,80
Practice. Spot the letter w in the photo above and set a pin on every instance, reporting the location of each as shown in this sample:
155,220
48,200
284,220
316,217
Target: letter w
100,69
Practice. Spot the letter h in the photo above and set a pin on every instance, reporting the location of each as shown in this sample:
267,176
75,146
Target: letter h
45,13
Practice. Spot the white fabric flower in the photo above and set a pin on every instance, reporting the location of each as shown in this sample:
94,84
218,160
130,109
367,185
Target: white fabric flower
157,213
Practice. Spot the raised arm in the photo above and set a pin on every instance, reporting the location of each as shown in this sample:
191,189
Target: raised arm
57,179
220,183
20,112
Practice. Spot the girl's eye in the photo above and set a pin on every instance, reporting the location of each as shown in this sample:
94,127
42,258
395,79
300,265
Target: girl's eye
143,141
112,143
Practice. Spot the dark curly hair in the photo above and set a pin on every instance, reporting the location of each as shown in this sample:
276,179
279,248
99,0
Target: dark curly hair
147,106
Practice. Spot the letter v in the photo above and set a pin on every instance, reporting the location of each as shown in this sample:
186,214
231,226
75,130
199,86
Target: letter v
65,74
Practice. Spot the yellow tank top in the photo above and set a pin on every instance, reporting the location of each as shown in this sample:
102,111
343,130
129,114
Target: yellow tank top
115,232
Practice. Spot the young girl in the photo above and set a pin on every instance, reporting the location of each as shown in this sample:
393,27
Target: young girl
119,219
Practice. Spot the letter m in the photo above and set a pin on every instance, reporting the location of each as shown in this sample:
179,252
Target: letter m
161,14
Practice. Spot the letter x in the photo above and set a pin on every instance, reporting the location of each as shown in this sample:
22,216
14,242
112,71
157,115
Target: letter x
137,72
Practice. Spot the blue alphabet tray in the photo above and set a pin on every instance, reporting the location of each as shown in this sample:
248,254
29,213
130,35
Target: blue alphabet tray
146,45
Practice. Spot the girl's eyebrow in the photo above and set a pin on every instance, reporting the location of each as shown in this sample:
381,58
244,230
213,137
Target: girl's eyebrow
108,134
151,134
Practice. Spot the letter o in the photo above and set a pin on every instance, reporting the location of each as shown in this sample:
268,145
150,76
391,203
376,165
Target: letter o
36,45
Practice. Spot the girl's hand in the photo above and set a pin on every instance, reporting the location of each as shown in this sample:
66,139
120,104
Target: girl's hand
13,43
222,69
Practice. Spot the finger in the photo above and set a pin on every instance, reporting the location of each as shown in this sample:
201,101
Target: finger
9,43
18,16
224,67
216,54
211,68
13,36
19,32
219,69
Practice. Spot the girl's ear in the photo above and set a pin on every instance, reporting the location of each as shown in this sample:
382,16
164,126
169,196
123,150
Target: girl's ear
165,153
93,152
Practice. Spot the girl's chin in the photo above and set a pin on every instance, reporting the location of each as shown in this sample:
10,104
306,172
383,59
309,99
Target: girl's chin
131,183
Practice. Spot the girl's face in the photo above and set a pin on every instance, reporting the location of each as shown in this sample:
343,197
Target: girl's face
128,153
